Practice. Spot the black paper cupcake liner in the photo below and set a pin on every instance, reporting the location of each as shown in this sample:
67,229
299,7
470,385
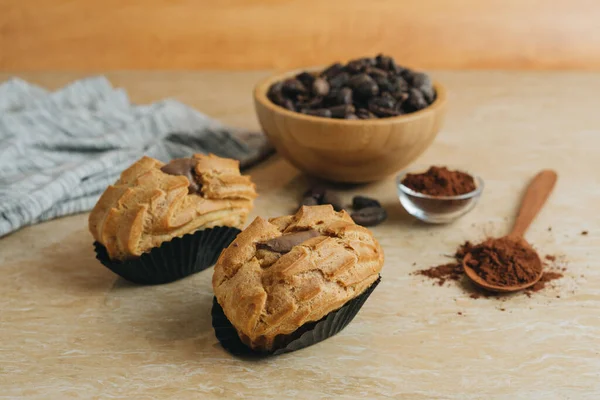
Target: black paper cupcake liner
172,260
307,335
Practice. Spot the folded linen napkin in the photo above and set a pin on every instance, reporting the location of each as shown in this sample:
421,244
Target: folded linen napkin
60,150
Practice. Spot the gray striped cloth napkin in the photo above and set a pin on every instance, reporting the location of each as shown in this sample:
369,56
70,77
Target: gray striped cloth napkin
60,150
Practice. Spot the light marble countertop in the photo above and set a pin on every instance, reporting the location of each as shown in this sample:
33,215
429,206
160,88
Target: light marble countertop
70,329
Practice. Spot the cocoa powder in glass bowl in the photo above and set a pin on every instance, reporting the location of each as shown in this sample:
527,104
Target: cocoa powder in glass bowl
438,194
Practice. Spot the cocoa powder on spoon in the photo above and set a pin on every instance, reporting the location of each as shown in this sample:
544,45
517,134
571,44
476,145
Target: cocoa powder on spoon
491,261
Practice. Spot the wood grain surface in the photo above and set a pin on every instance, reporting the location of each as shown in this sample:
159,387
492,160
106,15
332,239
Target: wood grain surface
251,34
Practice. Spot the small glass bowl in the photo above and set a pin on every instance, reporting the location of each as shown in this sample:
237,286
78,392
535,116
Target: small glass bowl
437,209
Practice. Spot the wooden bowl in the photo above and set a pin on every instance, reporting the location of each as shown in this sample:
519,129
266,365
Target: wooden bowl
348,150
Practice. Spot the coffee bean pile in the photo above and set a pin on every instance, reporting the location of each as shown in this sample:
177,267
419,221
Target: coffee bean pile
367,211
362,89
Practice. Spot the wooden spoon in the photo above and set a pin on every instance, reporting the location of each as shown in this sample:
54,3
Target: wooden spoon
536,195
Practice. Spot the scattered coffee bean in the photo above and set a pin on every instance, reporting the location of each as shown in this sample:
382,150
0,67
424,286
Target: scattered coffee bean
309,201
330,197
360,202
376,87
369,216
367,211
317,192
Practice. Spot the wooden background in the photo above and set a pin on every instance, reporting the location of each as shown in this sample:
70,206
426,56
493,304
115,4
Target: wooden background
95,35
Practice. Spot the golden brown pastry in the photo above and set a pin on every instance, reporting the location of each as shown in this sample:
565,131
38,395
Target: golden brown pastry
153,202
279,274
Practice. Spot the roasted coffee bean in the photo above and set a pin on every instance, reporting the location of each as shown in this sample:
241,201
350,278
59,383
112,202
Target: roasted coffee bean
407,74
275,88
369,216
302,98
315,102
317,192
396,69
400,107
384,101
418,79
400,97
384,62
422,82
319,112
360,65
320,87
338,97
428,94
384,84
274,94
383,112
332,70
374,72
293,87
356,66
369,61
279,99
383,106
375,87
330,197
415,101
344,96
401,84
360,202
363,85
363,113
309,201
339,80
341,111
289,104
306,78
332,98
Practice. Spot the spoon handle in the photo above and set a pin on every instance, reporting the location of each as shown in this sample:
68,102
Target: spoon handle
537,193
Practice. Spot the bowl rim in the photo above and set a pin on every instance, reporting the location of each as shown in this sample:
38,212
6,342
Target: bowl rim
473,194
262,87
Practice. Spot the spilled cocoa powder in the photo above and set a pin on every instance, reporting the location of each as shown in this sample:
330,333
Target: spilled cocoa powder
548,276
454,271
440,181
448,272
